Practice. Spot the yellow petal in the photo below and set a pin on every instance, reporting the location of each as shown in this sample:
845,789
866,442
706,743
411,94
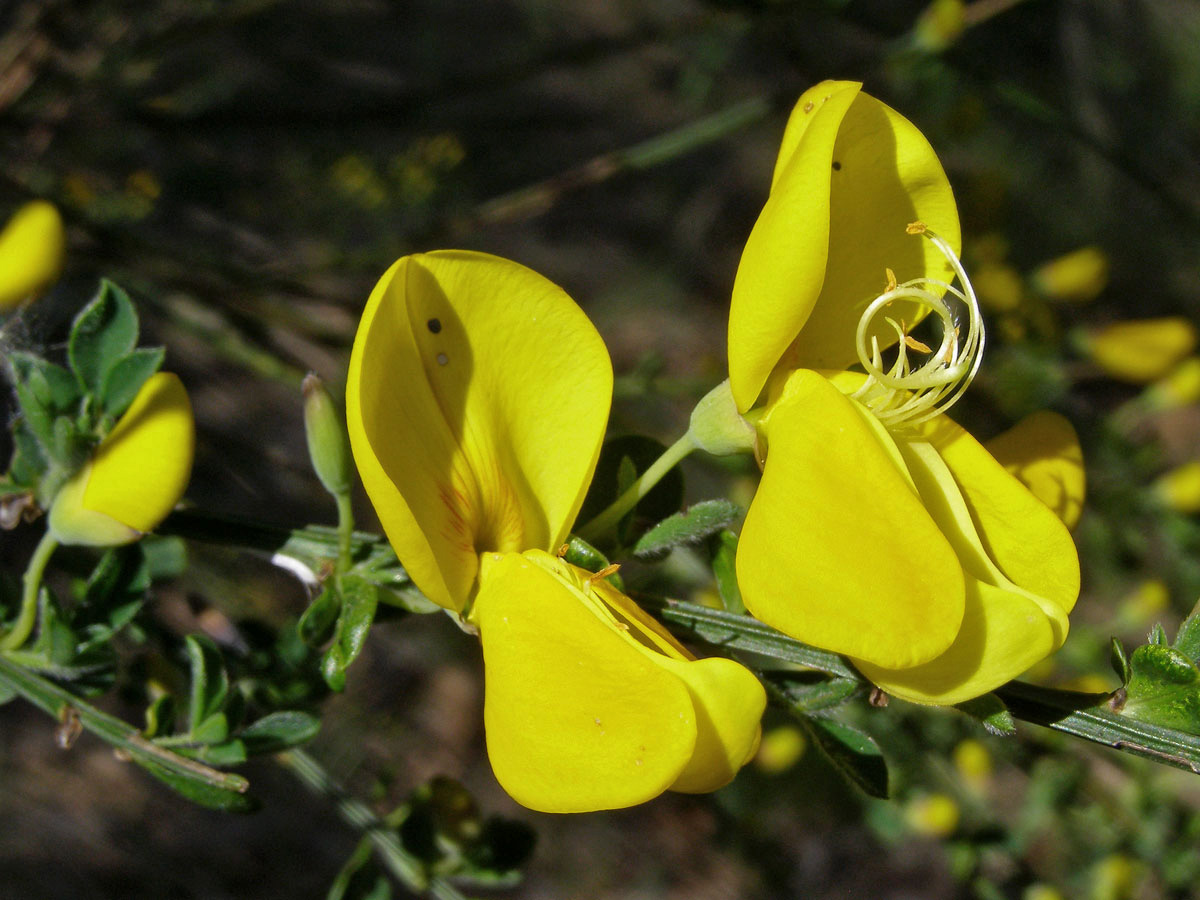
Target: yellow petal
1076,277
837,549
1003,633
1020,534
783,264
31,252
141,469
1042,451
578,717
1141,351
477,398
885,176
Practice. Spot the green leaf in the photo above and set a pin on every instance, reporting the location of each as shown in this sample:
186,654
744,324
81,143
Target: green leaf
59,390
1163,688
226,753
810,694
7,694
212,730
279,731
990,711
1187,639
210,684
359,599
316,624
56,641
45,392
691,526
1120,662
126,377
852,752
724,557
104,332
28,460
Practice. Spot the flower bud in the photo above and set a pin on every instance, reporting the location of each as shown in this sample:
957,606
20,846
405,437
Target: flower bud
328,444
135,476
32,245
933,815
1180,387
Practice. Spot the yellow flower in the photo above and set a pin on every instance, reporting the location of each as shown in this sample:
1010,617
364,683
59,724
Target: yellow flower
880,529
32,245
477,400
1140,351
137,473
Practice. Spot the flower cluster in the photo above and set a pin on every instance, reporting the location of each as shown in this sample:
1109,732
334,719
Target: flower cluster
478,396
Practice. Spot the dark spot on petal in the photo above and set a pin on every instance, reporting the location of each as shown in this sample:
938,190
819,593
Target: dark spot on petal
442,359
434,325
837,166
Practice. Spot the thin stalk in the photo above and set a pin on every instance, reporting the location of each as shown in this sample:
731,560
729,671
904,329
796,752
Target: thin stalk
27,617
608,519
408,869
345,532
1084,716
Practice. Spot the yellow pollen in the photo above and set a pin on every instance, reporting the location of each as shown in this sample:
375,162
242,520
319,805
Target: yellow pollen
891,280
917,227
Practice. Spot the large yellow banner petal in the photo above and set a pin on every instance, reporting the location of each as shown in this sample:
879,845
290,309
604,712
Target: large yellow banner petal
884,176
837,549
477,398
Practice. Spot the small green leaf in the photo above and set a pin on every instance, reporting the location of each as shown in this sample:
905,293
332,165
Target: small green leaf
691,526
316,624
198,791
812,694
126,377
212,730
6,694
59,390
226,753
1187,639
279,731
359,599
28,460
1157,635
990,711
724,557
103,333
210,684
56,640
1120,662
852,752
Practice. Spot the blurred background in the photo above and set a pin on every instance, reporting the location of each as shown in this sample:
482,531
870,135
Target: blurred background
248,168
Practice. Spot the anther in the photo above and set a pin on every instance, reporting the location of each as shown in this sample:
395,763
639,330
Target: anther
603,573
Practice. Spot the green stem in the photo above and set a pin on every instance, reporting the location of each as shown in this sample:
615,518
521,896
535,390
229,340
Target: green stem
27,618
345,531
608,519
1083,716
204,785
403,865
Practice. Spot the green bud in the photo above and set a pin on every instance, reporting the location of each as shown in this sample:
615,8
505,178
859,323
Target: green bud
328,444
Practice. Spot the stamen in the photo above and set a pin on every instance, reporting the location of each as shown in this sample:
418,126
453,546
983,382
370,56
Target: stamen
908,393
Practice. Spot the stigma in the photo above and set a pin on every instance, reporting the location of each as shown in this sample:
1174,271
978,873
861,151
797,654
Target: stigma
922,381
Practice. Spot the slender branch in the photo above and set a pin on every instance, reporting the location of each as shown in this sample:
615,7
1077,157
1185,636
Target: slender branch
1080,715
205,785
